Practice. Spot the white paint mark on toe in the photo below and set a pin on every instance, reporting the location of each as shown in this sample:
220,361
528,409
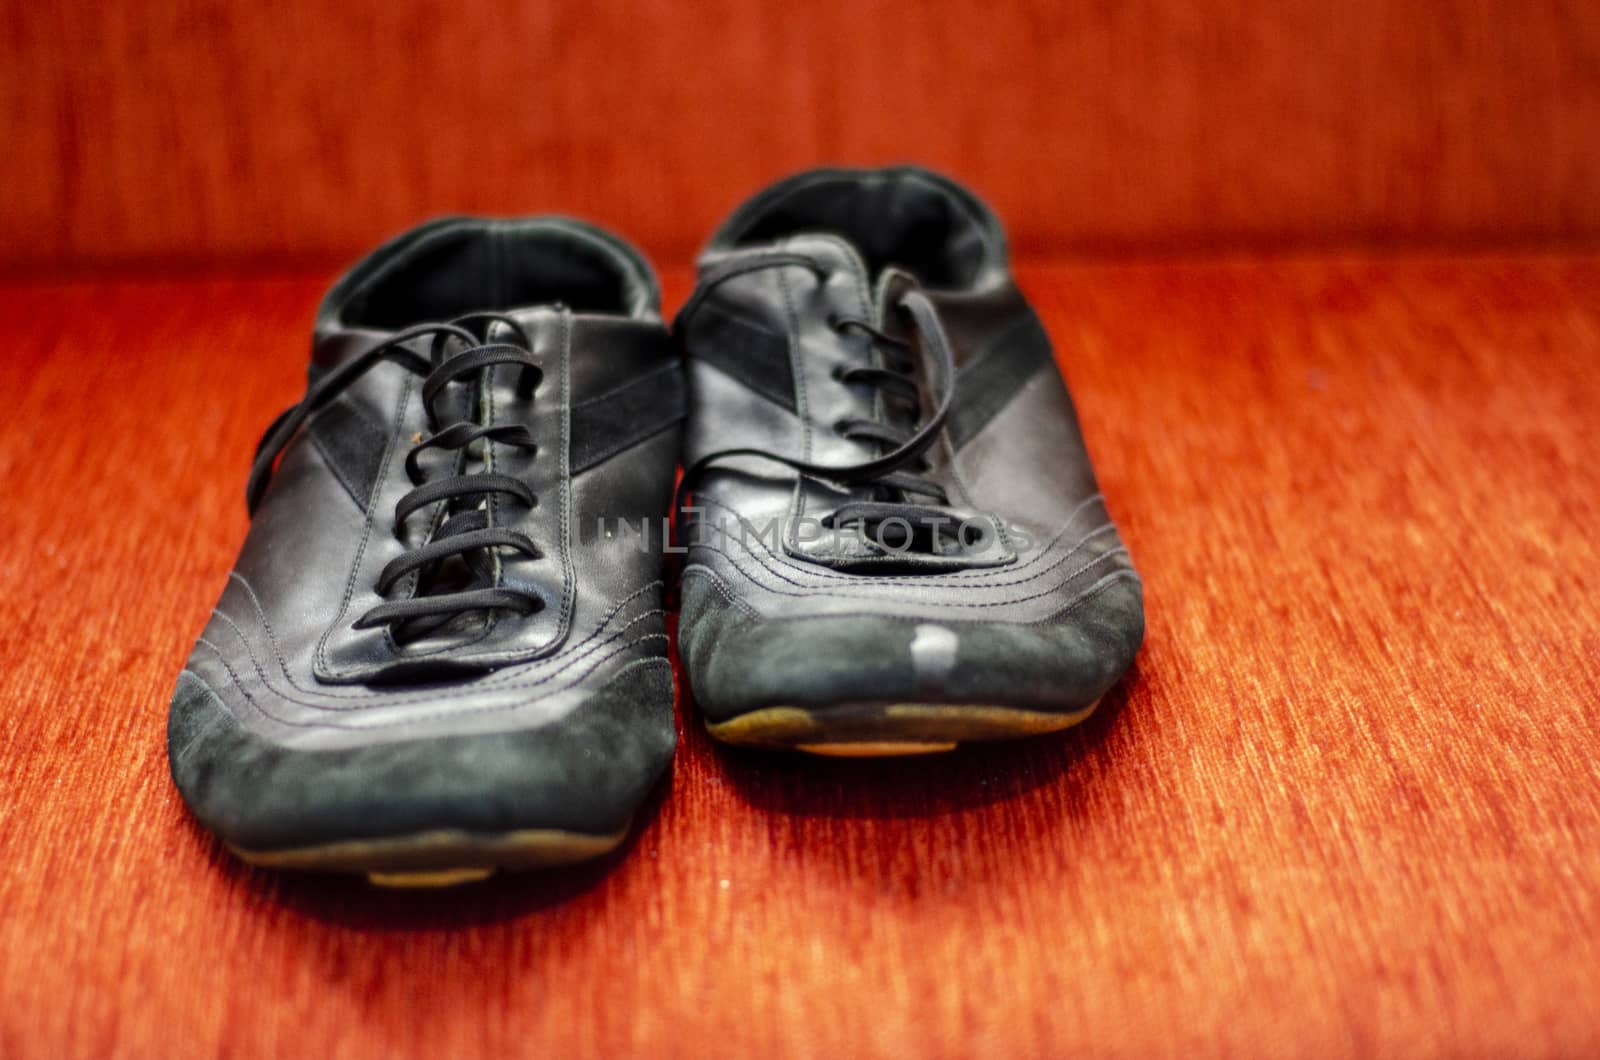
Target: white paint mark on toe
933,655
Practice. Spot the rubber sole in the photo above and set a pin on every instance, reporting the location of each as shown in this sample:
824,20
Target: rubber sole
440,858
878,731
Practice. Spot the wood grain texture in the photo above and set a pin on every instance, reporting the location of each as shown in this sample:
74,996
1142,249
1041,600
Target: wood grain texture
1348,804
214,129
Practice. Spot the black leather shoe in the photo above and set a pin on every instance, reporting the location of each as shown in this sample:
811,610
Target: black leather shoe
896,542
425,664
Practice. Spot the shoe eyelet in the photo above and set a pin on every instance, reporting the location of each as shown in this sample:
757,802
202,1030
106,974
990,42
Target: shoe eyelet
840,427
835,322
837,372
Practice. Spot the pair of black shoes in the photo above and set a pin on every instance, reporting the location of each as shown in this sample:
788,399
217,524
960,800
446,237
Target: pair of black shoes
443,648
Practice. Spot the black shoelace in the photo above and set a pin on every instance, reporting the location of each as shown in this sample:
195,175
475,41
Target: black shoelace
900,468
457,568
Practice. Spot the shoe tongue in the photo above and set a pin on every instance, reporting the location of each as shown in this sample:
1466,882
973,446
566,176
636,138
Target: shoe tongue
893,285
878,294
833,253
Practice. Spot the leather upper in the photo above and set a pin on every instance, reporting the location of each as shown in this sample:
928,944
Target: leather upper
281,649
764,356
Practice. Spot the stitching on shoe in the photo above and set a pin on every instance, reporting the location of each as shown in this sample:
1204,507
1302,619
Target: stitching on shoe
454,712
320,656
462,648
420,697
956,579
832,591
421,720
592,644
569,586
1100,585
493,681
228,717
923,602
568,578
967,579
802,396
340,472
863,294
722,589
1126,574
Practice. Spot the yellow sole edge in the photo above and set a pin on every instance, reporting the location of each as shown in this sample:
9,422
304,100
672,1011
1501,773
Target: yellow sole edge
874,749
426,880
441,858
862,731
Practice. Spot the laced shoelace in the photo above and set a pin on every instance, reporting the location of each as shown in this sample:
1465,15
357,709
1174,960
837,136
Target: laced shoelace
899,469
463,528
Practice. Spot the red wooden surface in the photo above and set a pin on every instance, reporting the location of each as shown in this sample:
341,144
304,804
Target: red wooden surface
213,129
1347,804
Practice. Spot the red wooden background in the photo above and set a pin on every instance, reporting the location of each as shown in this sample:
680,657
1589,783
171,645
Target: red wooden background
205,129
